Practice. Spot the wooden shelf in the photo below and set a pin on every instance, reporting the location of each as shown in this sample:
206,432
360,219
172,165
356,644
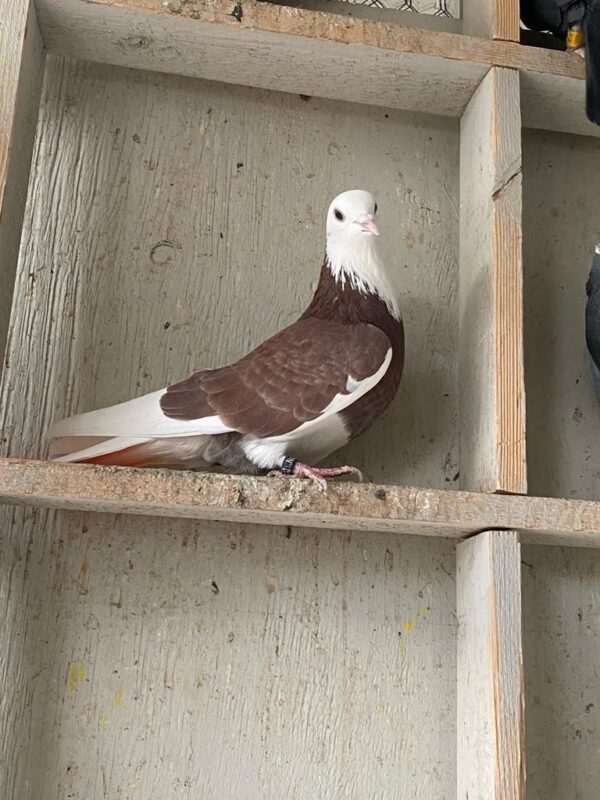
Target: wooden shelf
315,53
348,506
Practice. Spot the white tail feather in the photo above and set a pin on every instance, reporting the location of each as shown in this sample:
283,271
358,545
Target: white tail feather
141,417
101,449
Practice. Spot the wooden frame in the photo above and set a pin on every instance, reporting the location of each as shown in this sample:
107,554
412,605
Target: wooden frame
21,72
491,373
485,83
491,726
346,506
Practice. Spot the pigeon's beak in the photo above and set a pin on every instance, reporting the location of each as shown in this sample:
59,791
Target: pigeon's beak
368,224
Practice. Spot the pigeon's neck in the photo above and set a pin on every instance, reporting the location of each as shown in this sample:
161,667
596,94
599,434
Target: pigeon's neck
358,267
343,301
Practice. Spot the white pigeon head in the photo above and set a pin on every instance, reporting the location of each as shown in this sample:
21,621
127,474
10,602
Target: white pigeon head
351,216
351,249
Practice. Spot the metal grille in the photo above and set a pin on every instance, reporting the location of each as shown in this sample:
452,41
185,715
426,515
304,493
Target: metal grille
436,8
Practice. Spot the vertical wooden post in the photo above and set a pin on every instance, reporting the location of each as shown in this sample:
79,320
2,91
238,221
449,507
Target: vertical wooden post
21,72
491,367
492,19
490,699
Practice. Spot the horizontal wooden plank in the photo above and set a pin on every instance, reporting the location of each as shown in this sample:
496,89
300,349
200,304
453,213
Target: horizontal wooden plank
310,52
397,509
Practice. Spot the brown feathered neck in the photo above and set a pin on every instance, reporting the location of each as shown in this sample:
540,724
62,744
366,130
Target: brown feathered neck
336,301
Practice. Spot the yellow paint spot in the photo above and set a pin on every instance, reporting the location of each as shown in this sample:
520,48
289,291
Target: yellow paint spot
83,578
102,719
410,625
422,611
403,648
77,675
117,700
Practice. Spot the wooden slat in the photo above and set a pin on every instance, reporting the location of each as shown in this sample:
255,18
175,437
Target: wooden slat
21,71
490,696
555,103
311,52
491,371
492,19
346,506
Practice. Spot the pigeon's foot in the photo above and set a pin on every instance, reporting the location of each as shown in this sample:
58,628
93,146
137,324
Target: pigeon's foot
319,475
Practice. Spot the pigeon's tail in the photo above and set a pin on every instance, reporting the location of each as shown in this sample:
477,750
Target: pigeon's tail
131,451
592,60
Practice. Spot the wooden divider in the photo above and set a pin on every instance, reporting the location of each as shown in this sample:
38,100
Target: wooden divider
490,694
21,72
491,371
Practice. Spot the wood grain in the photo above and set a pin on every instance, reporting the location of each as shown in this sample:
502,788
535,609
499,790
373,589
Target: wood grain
313,52
491,374
398,509
490,699
561,174
181,659
21,71
561,642
555,103
174,224
188,226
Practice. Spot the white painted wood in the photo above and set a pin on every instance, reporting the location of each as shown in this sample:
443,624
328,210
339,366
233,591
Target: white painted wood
311,52
561,229
199,660
491,373
490,698
132,286
292,50
561,633
21,69
555,103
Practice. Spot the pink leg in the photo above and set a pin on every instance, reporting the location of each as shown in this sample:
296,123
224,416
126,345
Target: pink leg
317,474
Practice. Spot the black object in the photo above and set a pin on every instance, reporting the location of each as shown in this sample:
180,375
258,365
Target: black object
592,321
591,32
288,464
559,17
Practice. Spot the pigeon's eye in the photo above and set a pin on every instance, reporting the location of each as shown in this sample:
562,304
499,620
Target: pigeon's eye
375,211
338,214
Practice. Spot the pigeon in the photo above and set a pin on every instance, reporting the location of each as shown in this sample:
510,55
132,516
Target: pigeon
592,321
289,403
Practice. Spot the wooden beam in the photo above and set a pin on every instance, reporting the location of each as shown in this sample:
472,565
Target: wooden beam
490,695
492,19
555,103
21,72
491,368
345,506
310,52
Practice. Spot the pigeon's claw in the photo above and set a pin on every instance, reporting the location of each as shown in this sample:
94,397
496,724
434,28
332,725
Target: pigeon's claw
318,475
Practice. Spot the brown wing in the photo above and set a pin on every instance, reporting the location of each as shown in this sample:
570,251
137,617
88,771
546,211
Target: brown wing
286,381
